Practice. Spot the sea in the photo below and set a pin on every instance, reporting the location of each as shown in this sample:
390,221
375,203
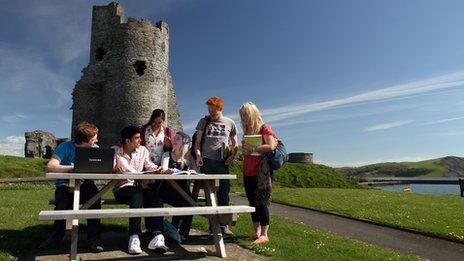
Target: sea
450,189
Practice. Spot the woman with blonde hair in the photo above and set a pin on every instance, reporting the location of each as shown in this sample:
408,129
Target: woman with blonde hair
178,159
256,171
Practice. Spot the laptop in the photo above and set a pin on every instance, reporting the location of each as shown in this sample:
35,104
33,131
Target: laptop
94,160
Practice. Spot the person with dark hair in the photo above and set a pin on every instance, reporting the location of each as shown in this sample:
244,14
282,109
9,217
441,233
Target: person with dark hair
156,137
131,157
85,136
214,133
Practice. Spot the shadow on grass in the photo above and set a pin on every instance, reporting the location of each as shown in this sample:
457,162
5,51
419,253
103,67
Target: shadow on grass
23,244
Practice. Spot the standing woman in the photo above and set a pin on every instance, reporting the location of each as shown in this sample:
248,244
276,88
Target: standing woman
156,137
256,172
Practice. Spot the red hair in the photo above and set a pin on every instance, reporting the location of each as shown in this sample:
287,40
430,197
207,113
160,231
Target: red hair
215,101
84,131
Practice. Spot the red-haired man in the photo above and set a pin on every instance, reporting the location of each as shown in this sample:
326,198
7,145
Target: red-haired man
214,133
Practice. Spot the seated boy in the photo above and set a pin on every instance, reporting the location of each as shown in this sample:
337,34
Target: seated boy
131,157
85,136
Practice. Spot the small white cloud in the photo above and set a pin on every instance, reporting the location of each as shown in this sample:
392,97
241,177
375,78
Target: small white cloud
442,121
12,145
389,125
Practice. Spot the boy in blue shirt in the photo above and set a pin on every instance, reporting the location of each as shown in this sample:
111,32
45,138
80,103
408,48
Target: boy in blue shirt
85,136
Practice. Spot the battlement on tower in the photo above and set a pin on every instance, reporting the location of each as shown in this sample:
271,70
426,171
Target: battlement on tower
127,76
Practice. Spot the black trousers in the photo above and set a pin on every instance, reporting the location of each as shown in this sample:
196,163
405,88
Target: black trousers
64,200
132,196
152,199
218,167
261,214
170,196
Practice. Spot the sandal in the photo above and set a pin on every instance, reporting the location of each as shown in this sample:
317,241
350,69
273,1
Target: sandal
261,240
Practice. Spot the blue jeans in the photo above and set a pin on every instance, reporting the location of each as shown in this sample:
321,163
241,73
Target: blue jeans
211,166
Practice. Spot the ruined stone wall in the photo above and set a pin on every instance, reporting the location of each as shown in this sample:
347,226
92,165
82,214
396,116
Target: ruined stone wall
127,77
39,144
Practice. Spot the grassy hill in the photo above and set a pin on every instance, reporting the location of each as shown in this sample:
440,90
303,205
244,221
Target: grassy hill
449,166
20,167
297,175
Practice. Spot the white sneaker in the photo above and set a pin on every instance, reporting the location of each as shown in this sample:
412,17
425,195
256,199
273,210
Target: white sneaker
157,244
134,245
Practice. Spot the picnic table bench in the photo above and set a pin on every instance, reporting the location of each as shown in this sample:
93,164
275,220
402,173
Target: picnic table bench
207,182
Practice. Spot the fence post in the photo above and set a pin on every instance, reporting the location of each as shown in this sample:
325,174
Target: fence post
461,186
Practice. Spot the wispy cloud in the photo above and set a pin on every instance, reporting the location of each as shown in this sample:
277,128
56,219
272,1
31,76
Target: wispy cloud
26,80
13,118
398,91
388,125
452,133
443,120
12,145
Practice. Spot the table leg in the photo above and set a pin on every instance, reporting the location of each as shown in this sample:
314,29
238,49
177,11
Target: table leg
75,222
215,226
181,192
196,189
99,194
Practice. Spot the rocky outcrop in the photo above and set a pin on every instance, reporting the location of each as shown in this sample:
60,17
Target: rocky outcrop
454,166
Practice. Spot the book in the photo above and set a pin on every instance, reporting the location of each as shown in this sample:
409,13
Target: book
185,172
142,172
253,141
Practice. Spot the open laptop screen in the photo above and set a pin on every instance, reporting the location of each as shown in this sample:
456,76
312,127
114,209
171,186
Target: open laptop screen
94,160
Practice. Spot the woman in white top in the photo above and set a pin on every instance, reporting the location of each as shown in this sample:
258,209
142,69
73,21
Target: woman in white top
156,137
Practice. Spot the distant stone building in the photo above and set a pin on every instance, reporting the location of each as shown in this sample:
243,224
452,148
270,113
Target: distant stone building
40,144
127,76
301,157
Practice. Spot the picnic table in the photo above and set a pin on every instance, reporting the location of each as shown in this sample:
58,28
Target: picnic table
207,182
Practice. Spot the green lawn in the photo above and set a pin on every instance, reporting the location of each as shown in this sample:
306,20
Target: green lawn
436,214
21,232
19,167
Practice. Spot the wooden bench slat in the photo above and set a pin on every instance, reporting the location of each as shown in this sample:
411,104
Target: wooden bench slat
111,201
141,212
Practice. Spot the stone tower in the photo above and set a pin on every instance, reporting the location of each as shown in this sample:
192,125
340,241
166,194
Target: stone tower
127,76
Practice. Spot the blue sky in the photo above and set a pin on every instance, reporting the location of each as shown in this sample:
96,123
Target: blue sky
354,82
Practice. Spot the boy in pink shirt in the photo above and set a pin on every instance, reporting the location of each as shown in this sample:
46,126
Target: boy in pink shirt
131,157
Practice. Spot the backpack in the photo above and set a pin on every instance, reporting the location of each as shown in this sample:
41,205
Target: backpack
194,137
278,157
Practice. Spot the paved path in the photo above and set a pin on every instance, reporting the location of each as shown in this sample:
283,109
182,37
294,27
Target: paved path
415,244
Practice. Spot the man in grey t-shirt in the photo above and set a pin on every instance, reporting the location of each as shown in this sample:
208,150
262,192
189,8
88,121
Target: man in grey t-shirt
212,157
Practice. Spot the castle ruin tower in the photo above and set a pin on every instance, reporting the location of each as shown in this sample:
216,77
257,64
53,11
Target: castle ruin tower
127,76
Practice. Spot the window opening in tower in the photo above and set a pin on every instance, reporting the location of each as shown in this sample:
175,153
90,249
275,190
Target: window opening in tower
140,67
99,54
